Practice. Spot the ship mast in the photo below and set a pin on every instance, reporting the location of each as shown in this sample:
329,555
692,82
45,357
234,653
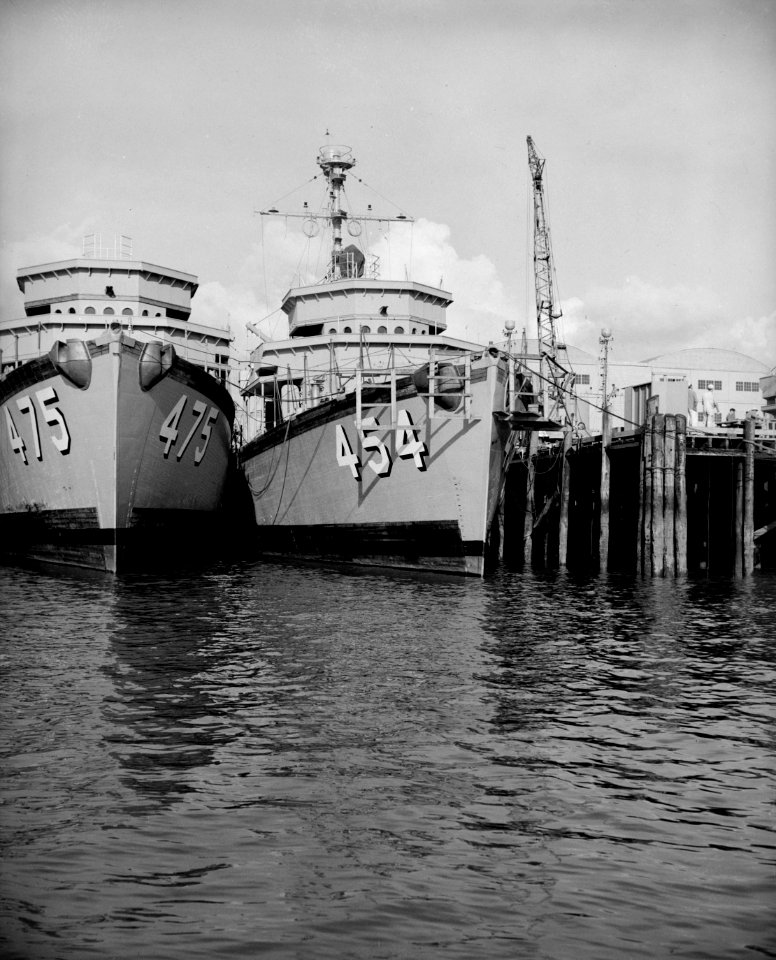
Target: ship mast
335,161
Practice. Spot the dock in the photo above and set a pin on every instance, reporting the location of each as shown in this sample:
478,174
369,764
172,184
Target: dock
662,500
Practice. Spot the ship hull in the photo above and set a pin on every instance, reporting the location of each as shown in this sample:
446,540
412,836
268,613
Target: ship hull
415,492
112,455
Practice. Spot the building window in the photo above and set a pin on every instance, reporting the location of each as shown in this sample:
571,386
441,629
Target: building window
705,384
382,329
746,386
71,310
365,329
332,330
582,378
346,330
144,313
89,310
126,312
108,312
399,330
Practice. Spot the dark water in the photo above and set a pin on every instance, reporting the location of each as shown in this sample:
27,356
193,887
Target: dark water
287,762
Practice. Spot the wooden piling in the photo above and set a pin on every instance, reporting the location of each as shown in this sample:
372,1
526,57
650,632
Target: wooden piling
565,494
646,498
748,520
669,496
680,486
528,515
603,500
658,490
739,521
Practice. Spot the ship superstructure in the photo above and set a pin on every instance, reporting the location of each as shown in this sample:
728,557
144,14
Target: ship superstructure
106,290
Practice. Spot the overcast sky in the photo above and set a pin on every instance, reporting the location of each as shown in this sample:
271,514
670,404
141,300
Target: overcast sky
173,121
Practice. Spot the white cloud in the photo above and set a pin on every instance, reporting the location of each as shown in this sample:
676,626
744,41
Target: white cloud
647,320
287,258
480,305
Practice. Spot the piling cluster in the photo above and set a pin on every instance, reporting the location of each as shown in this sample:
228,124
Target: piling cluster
658,501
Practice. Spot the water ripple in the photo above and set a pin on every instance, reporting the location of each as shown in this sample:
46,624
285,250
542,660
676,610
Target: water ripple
288,762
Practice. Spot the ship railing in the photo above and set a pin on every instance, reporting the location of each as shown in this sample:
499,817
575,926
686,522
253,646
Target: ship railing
379,385
463,408
444,404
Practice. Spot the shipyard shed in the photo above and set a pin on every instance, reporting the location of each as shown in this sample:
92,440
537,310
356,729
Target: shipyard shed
735,376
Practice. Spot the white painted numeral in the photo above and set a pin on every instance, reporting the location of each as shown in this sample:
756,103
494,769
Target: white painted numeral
169,429
17,442
26,405
345,456
199,409
199,453
383,467
407,443
54,418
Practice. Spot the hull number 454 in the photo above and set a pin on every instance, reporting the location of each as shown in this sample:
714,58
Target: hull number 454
408,447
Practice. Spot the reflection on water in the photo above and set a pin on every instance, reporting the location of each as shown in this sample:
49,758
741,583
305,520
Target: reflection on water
161,720
293,762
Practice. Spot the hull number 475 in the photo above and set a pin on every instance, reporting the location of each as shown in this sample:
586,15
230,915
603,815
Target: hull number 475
51,415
